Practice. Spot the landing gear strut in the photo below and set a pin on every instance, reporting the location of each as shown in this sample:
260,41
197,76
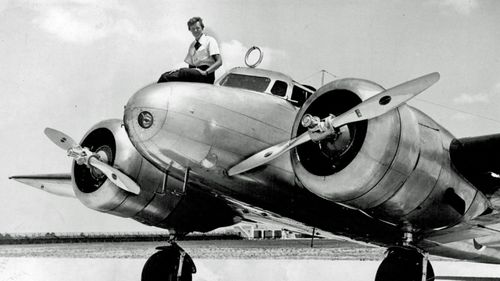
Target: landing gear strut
405,264
170,263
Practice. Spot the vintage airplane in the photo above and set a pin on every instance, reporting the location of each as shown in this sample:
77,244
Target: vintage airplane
350,159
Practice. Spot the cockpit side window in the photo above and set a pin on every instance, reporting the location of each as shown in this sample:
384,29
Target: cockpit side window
279,88
254,83
299,96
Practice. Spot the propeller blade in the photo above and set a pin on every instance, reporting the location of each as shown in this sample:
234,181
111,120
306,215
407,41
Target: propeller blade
116,176
370,108
268,154
60,139
386,100
83,155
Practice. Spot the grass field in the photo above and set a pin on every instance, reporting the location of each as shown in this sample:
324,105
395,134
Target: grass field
211,249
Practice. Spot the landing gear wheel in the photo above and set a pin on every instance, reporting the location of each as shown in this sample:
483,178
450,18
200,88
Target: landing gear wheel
403,264
165,265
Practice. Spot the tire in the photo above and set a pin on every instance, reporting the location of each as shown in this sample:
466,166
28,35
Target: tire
403,264
162,266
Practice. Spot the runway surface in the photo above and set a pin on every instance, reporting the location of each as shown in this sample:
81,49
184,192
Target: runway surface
99,269
216,261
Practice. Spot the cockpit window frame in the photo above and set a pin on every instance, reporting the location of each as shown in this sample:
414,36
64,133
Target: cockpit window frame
275,77
265,80
278,87
308,91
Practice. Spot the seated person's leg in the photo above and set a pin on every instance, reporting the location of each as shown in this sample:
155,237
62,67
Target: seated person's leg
186,75
169,76
210,78
191,75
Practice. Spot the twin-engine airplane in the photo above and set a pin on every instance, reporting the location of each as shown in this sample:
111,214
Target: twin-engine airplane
350,159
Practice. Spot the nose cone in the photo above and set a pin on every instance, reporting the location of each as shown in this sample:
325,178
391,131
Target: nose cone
146,111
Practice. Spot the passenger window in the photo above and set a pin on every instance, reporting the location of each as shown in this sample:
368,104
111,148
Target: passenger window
279,88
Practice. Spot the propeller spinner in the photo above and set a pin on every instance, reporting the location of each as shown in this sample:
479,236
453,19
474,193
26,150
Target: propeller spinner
320,129
83,155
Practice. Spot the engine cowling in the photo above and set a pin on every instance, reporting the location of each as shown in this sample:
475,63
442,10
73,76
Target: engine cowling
162,201
110,141
395,167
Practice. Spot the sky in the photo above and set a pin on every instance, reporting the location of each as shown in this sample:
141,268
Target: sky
69,64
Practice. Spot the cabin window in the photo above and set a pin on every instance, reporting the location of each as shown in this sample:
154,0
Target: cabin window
299,96
254,83
279,88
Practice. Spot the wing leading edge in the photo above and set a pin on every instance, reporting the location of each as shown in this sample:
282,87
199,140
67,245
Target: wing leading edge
58,184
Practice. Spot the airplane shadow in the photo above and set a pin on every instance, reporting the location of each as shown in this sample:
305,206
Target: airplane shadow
464,278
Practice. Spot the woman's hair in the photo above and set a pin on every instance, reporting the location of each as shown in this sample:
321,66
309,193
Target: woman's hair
194,20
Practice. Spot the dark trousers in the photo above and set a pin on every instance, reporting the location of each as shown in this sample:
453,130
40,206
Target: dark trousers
190,74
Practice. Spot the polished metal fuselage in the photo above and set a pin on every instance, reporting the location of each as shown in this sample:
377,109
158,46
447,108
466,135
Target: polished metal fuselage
208,129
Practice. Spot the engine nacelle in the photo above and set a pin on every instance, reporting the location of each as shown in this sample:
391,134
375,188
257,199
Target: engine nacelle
162,201
395,167
110,141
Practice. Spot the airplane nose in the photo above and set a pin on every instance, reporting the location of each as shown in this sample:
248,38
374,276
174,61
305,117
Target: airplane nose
146,111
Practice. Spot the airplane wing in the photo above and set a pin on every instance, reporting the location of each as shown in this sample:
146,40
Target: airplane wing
476,240
58,184
470,250
258,215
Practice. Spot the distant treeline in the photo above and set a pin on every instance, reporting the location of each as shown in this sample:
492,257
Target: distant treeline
52,237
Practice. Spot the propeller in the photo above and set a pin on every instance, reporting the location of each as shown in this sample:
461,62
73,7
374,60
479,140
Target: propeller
318,129
60,139
83,155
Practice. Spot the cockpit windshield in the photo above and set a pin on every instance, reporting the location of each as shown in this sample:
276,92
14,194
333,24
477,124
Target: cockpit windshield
254,83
